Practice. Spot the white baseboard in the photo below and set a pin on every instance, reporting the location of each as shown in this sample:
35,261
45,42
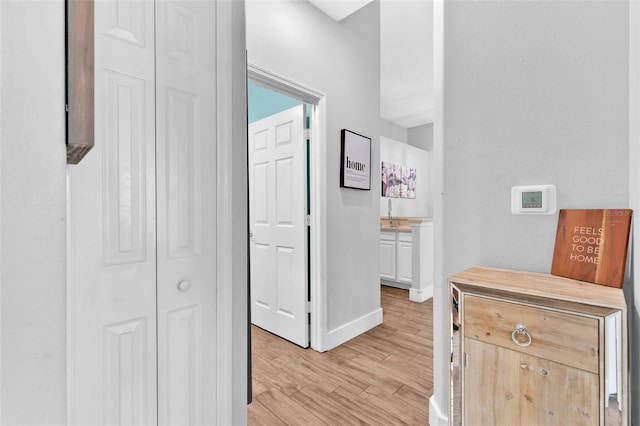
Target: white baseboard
436,416
396,284
352,329
420,294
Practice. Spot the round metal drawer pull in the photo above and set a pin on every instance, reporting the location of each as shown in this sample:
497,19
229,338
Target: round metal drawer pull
521,330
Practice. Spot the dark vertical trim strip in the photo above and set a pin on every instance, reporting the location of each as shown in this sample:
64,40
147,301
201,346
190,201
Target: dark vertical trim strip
249,368
79,78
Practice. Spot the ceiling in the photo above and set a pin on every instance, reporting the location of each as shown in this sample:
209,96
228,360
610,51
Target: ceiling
406,56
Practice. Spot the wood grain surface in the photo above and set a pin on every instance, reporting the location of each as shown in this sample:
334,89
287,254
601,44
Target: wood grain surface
80,79
506,387
560,377
523,285
591,245
560,336
382,377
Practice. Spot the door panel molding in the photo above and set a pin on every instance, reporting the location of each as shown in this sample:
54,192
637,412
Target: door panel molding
124,169
126,389
183,173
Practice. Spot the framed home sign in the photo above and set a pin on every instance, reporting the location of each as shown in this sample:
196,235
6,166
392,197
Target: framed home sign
355,166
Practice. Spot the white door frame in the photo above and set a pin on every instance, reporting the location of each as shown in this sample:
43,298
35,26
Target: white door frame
317,191
232,208
439,401
634,185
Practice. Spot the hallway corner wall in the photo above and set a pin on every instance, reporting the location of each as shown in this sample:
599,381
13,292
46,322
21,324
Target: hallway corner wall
33,287
546,104
341,60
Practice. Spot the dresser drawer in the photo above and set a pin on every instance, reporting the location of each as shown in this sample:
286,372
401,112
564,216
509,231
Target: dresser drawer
557,336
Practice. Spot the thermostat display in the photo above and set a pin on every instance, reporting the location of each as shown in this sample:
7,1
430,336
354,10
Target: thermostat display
534,199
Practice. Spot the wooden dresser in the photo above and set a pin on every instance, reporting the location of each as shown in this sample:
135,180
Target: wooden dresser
537,349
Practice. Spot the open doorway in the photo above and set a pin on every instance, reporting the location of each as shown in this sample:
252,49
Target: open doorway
286,296
278,211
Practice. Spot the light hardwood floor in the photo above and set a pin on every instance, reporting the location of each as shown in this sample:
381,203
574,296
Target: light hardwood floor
382,377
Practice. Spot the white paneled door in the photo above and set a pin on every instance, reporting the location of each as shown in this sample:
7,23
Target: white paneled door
186,158
277,217
142,214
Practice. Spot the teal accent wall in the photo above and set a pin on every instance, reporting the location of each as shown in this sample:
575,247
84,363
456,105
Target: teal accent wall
263,102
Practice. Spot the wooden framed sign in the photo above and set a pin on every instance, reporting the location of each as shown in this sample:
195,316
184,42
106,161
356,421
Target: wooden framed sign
591,245
355,154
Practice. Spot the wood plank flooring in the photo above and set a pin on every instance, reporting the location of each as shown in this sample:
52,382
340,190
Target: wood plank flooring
382,377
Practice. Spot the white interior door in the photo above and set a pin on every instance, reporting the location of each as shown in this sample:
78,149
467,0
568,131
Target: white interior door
277,217
186,158
142,273
112,243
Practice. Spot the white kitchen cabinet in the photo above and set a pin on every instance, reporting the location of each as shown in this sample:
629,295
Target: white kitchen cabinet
404,257
395,258
388,255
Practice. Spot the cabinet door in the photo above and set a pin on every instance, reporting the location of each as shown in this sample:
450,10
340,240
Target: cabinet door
502,386
387,259
556,394
404,258
491,385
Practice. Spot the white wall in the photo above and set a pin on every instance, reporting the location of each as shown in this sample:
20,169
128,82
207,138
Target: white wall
340,59
393,131
535,92
33,213
421,136
403,154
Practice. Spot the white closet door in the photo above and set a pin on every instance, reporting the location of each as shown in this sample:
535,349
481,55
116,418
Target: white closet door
112,243
186,159
142,216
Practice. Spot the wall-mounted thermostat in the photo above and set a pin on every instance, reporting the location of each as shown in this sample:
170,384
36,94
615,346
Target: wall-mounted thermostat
534,199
